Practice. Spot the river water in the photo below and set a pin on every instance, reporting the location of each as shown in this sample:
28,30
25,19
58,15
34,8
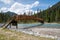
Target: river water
45,25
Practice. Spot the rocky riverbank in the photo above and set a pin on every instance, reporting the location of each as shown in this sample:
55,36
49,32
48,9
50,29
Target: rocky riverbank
42,32
6,34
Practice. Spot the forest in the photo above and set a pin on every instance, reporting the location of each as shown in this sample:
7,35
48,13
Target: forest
51,14
4,16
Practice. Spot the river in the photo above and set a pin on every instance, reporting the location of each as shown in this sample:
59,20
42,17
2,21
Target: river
46,30
45,25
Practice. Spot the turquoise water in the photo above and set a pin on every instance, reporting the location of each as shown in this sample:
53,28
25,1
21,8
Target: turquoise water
34,24
28,25
46,25
51,25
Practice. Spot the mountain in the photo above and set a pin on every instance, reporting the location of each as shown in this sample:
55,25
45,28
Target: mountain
10,13
51,14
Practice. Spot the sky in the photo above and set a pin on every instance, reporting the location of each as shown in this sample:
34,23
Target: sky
21,6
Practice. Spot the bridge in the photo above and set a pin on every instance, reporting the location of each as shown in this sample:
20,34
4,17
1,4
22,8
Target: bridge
14,19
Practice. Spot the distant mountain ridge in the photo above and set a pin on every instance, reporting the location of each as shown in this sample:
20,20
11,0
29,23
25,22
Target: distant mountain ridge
10,13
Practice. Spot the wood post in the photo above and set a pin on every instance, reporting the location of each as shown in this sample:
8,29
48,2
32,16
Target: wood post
10,25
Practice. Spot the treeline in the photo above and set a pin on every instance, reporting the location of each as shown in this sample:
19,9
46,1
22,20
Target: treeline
4,16
52,14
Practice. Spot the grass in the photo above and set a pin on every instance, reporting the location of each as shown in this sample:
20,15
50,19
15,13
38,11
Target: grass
6,34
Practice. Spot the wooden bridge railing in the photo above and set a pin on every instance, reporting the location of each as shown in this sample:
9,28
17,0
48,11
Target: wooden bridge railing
15,18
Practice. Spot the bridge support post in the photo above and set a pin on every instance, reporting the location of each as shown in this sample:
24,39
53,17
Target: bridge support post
16,27
16,24
10,25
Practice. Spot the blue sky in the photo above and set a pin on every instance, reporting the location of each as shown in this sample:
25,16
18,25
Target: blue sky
21,6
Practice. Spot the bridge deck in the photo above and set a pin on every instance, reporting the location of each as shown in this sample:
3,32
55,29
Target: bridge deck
22,17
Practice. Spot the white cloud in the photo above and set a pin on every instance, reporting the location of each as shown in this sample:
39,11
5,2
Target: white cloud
20,8
7,1
35,11
35,3
4,9
17,8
